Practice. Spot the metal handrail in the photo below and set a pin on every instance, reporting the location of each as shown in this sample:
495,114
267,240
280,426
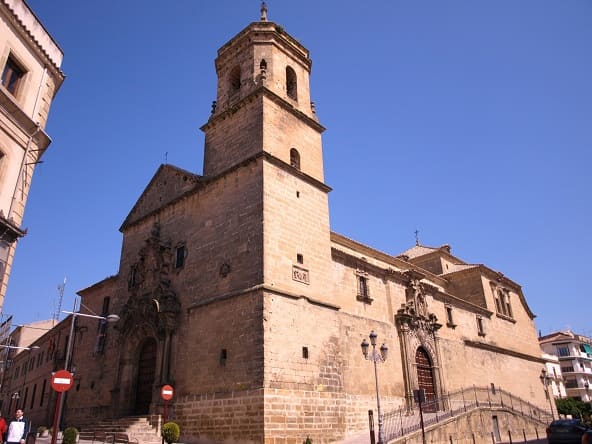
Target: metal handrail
405,420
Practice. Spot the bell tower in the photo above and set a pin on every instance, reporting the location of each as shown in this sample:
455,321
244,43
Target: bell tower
262,72
263,114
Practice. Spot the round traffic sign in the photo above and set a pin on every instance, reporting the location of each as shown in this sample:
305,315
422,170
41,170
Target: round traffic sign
166,392
62,381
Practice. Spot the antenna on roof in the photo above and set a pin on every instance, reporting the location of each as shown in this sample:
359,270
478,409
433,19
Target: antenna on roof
56,313
417,237
166,158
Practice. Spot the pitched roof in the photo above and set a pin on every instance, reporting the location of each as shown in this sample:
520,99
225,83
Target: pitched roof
418,250
168,184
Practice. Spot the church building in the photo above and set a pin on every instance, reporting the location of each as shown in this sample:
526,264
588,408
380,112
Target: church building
233,289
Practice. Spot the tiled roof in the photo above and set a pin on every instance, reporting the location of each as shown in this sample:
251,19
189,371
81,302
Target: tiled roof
418,250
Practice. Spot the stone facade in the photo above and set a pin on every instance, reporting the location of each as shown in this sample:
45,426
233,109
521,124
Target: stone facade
31,76
233,289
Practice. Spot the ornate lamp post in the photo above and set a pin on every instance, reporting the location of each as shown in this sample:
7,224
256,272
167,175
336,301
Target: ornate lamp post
376,357
546,380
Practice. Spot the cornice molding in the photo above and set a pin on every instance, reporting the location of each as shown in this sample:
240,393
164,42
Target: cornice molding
265,288
503,351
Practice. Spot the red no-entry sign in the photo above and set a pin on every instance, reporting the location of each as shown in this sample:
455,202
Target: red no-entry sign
166,392
62,381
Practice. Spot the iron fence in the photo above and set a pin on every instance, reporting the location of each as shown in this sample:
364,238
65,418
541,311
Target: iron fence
405,420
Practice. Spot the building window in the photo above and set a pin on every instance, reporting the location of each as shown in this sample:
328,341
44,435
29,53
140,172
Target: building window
480,327
363,287
223,356
305,352
295,158
571,383
567,369
180,256
43,392
12,75
300,258
563,351
291,83
502,302
133,279
102,327
33,395
263,65
449,318
235,79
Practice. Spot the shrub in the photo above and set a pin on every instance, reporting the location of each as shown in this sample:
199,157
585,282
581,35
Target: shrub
70,435
307,440
171,432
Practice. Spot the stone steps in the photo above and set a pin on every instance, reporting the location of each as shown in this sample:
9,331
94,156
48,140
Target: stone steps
144,429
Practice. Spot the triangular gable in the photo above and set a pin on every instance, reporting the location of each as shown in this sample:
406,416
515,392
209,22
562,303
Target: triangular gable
168,184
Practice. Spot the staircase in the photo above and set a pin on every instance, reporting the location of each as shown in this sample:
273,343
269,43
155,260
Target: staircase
144,429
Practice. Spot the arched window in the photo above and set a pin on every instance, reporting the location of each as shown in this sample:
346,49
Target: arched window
235,79
291,83
295,158
263,65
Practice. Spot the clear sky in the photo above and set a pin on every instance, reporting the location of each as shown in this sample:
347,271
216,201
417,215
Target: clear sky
467,120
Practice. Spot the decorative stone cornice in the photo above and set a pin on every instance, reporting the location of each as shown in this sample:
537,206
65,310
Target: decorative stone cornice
261,91
503,351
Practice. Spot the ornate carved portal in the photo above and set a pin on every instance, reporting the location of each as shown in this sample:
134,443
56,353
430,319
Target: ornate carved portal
149,320
418,329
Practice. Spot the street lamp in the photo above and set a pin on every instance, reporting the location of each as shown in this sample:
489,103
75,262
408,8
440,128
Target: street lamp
546,381
14,347
376,357
75,314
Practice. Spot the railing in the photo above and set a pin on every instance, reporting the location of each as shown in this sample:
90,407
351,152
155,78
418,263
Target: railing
403,421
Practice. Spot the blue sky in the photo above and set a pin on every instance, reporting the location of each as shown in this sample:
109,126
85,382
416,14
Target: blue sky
467,120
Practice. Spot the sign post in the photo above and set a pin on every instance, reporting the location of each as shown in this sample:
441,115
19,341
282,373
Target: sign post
61,381
166,393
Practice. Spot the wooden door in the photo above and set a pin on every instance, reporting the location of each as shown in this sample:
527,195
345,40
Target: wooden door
425,379
145,381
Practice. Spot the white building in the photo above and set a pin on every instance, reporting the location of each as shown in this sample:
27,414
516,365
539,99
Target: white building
574,353
554,376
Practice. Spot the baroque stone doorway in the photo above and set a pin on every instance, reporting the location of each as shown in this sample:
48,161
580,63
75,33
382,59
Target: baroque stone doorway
425,378
145,378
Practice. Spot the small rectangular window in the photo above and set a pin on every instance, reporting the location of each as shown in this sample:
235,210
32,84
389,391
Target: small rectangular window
133,276
180,256
33,396
43,393
300,258
480,328
305,352
223,356
12,75
449,318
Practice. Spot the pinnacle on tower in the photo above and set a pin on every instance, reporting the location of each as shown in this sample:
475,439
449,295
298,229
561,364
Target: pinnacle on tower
263,12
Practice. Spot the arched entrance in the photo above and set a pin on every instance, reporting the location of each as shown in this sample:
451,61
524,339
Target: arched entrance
425,378
145,379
